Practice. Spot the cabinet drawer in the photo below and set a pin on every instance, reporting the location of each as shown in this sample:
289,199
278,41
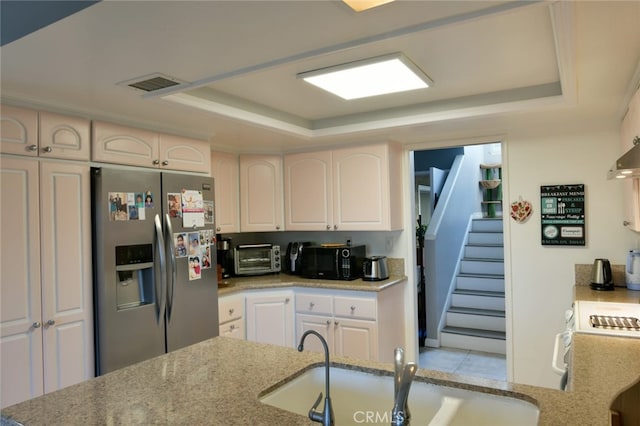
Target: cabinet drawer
230,308
233,329
314,303
353,307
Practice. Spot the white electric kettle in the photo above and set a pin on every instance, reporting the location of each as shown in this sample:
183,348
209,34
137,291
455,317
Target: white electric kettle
632,271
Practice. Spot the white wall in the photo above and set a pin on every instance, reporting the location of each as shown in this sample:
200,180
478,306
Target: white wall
540,279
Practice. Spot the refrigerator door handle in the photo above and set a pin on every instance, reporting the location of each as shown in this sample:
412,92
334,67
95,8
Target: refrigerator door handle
173,273
161,296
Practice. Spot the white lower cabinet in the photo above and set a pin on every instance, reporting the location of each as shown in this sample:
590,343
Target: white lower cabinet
46,320
231,316
270,317
354,324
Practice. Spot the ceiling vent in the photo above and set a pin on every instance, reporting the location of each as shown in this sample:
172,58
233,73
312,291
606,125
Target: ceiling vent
151,82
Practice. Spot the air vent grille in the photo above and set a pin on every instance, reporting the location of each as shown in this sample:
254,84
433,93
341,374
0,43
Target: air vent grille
153,84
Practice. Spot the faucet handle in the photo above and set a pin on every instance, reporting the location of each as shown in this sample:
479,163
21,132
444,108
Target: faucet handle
315,415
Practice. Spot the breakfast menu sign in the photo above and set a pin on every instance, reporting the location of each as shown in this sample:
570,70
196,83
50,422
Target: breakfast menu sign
562,215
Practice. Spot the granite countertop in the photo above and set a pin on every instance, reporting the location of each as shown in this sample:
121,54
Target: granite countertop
618,295
273,281
283,280
219,381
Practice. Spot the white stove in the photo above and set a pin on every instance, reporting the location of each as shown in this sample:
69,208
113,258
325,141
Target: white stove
607,318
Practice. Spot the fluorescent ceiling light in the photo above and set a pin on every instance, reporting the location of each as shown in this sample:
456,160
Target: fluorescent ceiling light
360,5
370,77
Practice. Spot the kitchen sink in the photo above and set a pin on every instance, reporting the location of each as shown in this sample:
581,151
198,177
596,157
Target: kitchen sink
360,397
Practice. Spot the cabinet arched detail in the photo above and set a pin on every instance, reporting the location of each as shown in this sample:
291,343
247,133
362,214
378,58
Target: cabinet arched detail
18,131
64,137
13,131
128,145
184,153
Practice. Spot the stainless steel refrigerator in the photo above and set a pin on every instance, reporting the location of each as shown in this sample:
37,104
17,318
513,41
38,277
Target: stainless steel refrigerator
155,280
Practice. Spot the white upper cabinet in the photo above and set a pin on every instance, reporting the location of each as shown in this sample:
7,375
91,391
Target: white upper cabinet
225,170
45,134
351,189
629,131
117,144
178,153
308,191
124,145
261,193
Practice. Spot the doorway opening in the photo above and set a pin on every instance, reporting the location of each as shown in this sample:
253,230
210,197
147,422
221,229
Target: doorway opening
460,259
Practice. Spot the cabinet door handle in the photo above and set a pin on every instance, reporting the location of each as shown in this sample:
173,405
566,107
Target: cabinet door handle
328,227
47,149
165,163
336,323
231,311
311,305
335,226
32,148
232,327
277,227
36,324
286,300
353,308
51,322
328,322
218,229
156,162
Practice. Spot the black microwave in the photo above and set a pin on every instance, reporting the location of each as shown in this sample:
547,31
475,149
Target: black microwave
332,262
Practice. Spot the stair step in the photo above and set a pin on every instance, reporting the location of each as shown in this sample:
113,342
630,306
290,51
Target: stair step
480,282
475,321
487,334
485,251
478,299
476,311
484,293
470,339
485,238
487,224
482,266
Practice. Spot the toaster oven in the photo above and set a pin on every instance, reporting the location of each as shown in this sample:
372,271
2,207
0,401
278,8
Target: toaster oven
256,259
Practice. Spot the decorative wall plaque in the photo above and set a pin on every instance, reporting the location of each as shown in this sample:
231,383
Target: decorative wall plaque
562,215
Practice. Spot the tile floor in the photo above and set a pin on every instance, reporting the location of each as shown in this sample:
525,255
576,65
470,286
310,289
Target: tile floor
464,362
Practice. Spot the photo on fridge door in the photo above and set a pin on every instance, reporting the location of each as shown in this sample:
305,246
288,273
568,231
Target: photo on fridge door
180,241
206,257
118,206
192,208
194,268
208,212
174,203
194,243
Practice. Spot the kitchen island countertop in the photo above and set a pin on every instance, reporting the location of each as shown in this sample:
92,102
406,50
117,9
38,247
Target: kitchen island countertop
219,381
